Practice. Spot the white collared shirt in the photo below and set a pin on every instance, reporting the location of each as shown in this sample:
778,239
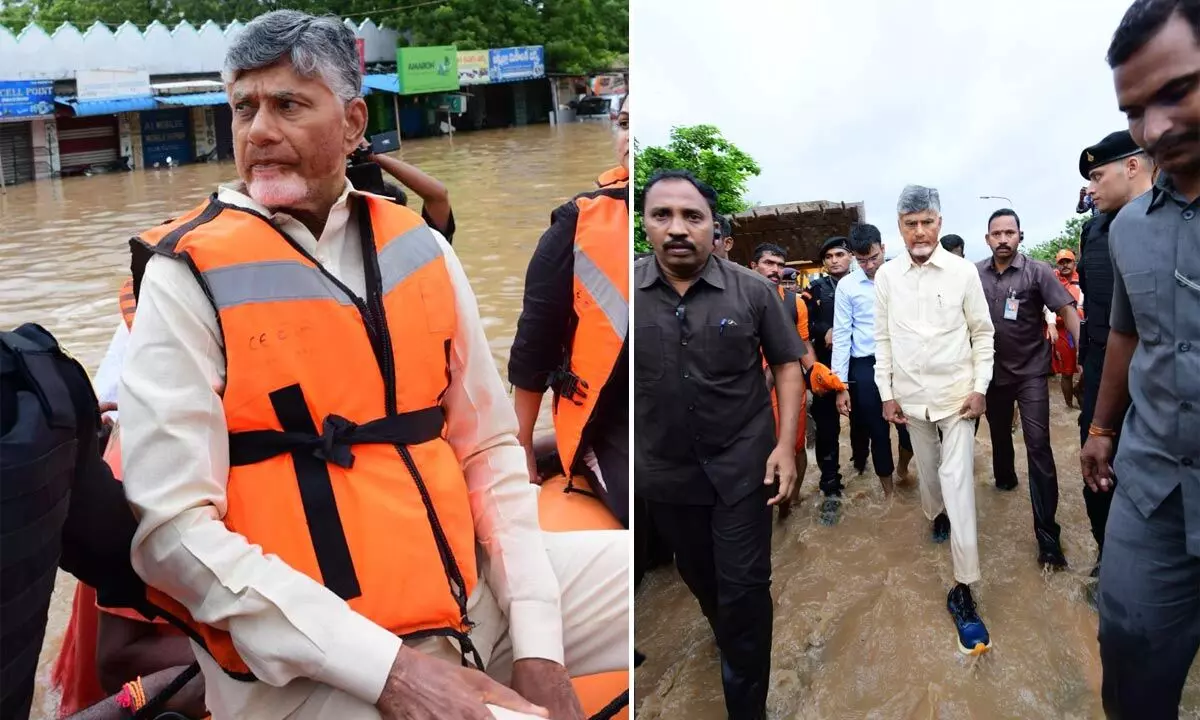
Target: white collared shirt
853,321
933,334
292,631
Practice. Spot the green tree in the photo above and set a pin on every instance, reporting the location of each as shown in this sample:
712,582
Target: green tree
709,156
1067,238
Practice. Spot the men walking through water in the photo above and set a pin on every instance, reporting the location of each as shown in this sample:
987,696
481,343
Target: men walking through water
1017,288
704,424
854,338
1117,171
933,366
1149,603
300,346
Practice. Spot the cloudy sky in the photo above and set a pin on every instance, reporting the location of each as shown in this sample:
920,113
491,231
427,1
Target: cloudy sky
849,100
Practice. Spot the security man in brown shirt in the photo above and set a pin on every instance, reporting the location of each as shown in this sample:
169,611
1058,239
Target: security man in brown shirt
707,456
1017,288
1150,577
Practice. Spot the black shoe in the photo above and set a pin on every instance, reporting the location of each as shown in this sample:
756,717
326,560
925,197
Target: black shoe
973,637
860,467
1006,485
831,509
941,528
1052,558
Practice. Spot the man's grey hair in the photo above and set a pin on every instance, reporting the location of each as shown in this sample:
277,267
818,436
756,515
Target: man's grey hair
916,198
317,47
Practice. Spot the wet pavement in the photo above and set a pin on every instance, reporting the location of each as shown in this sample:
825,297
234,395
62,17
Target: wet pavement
861,627
64,246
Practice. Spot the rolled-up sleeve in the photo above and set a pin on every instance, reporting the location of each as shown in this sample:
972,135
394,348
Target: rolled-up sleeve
544,325
175,450
781,343
482,429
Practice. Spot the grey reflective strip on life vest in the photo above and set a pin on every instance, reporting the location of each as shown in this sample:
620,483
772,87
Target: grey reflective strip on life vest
405,255
615,308
270,281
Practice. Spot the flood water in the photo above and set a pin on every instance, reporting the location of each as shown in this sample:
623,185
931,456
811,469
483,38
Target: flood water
64,246
861,627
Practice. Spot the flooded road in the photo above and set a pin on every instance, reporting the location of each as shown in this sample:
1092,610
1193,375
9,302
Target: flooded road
861,628
64,246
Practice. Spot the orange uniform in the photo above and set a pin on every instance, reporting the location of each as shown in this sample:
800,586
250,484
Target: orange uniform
801,328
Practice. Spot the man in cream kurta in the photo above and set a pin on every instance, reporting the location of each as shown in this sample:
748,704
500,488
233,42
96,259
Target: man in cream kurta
933,349
562,600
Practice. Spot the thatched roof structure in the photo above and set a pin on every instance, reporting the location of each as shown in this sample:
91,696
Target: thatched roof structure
801,228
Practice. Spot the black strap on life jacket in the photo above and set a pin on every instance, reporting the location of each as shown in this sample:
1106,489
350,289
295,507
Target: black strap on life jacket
609,711
311,452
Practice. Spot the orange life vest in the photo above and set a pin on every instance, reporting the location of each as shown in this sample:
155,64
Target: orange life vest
128,303
338,461
601,292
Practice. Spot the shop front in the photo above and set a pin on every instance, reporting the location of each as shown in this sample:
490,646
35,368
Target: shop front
25,108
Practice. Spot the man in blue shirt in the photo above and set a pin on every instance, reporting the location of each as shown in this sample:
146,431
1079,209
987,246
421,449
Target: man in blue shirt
854,355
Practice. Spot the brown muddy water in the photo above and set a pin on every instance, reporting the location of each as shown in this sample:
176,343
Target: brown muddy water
861,628
64,247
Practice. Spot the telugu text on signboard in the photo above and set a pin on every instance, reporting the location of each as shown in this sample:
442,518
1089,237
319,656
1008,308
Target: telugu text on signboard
99,84
472,67
516,63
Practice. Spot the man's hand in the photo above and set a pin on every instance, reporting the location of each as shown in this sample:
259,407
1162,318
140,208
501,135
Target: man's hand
106,407
531,464
974,406
829,338
1052,331
421,687
1095,461
548,684
843,402
782,462
893,413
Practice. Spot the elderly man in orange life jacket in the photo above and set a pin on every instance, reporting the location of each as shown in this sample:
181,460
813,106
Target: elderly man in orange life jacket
331,494
572,336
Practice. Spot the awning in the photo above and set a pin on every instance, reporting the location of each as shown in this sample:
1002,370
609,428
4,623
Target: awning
195,99
384,83
107,106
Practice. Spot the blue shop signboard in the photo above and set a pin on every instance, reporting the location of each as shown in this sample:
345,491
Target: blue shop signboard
26,98
166,133
516,63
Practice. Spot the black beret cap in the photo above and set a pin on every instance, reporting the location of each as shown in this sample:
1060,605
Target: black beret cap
1116,146
836,241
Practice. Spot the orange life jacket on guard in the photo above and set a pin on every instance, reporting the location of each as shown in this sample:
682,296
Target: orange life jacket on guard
601,305
338,461
128,303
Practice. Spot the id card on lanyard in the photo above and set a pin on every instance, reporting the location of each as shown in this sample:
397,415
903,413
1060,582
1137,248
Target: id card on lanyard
1011,305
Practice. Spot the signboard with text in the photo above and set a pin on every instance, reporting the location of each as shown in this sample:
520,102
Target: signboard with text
26,98
427,69
473,67
516,63
100,84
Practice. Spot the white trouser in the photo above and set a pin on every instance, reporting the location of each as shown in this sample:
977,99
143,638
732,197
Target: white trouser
947,478
592,568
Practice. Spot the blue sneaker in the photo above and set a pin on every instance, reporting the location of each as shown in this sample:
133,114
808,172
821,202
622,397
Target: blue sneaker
941,528
973,638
